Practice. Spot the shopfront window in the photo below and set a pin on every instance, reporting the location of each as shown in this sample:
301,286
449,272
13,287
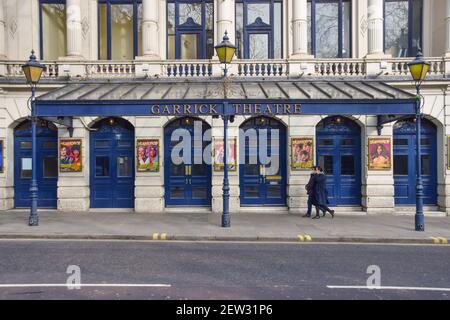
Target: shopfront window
329,25
190,29
52,15
120,29
402,27
259,29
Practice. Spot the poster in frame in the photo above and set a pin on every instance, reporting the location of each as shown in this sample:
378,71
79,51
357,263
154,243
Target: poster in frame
70,155
147,153
302,153
219,154
380,153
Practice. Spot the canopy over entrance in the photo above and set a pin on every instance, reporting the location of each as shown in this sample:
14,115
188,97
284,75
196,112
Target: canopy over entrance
225,97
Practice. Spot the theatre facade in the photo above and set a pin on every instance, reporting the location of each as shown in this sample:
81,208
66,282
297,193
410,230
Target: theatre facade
143,130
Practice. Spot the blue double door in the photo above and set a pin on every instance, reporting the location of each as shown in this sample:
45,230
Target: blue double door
339,154
47,164
263,182
405,162
112,164
187,176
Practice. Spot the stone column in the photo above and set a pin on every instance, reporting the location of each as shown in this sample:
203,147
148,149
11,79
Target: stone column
375,28
299,28
150,29
2,31
149,186
377,185
225,20
74,31
447,28
73,187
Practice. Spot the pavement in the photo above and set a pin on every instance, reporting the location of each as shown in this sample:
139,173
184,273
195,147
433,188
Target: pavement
203,226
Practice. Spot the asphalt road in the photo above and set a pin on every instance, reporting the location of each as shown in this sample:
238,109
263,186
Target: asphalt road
220,270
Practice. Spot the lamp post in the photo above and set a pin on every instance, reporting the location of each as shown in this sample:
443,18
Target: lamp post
419,69
33,71
225,51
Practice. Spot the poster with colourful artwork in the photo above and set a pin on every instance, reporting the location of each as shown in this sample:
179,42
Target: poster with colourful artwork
302,153
147,155
1,156
380,157
219,152
70,155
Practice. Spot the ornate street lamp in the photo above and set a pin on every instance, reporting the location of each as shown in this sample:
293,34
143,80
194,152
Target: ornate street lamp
419,70
33,71
225,51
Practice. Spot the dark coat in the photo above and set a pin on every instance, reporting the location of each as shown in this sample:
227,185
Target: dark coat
310,185
320,195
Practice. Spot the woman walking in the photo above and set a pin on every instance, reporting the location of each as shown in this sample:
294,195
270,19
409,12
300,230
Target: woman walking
320,198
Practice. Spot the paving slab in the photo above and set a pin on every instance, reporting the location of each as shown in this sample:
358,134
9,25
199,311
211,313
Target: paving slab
206,226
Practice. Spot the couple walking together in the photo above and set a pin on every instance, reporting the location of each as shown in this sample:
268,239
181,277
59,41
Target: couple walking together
317,193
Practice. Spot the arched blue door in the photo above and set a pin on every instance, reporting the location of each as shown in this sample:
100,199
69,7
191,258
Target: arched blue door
112,164
187,184
339,154
263,183
47,164
405,162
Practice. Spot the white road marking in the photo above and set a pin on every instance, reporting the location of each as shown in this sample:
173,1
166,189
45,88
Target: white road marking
97,285
390,288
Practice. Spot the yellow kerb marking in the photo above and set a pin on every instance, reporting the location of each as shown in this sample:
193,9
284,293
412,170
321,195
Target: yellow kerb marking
155,236
443,240
308,237
436,240
163,236
300,238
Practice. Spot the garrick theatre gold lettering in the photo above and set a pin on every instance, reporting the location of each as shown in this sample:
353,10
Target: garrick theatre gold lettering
174,109
265,108
236,108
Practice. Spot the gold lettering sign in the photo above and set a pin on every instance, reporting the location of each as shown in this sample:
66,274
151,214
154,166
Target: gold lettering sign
246,108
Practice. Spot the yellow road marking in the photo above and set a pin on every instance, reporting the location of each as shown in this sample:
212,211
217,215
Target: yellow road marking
155,236
163,236
443,240
308,237
301,238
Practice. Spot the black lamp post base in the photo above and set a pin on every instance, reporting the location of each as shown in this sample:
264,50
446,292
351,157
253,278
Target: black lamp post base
33,221
420,223
226,221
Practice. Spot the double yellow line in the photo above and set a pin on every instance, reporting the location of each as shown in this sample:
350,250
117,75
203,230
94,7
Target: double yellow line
439,240
157,236
304,238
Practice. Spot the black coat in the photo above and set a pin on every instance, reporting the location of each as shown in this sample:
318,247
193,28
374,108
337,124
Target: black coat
310,185
320,195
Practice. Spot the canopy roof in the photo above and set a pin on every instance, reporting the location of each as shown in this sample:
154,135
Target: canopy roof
282,89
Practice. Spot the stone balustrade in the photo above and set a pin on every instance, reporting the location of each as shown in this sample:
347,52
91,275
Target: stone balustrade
318,68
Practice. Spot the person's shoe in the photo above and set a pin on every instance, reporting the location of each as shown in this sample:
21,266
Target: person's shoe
316,217
306,216
332,214
324,213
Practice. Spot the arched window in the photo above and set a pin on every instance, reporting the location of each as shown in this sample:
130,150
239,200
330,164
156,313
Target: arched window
119,29
190,29
259,29
402,27
329,25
